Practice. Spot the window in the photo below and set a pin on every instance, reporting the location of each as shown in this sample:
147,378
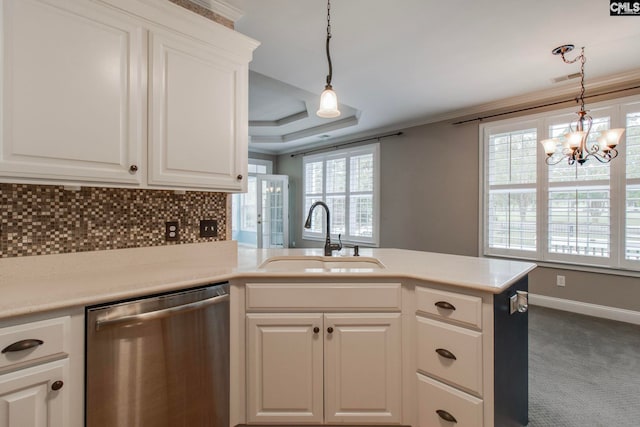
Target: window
347,181
580,214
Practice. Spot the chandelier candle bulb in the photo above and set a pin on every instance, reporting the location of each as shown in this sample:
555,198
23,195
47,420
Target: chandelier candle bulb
612,136
549,145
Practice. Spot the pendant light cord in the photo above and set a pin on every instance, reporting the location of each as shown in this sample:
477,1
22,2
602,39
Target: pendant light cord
329,38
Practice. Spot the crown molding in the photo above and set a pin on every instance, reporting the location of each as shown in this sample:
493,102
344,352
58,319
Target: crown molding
552,93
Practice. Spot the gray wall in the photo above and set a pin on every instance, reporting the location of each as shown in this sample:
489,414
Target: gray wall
271,157
429,201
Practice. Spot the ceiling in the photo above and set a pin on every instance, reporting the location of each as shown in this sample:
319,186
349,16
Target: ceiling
417,61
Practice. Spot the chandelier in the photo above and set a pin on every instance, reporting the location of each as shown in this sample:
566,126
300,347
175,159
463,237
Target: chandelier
576,146
328,99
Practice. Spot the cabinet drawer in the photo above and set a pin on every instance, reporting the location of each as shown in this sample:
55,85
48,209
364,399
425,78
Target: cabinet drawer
43,339
451,353
437,402
451,306
323,296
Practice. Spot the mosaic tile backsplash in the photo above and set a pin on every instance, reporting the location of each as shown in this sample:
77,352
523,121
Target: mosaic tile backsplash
41,219
188,4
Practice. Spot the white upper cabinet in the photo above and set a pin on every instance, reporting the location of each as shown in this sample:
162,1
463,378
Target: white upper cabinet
136,93
198,133
72,92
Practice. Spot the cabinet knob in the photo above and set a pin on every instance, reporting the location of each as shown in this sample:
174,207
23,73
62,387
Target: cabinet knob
239,177
316,330
445,305
133,168
330,329
57,385
446,416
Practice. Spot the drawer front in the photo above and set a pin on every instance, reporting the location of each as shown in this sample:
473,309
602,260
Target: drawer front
451,353
34,340
438,402
451,306
323,296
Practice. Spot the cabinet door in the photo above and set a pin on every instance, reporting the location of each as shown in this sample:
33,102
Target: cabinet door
284,368
363,368
27,399
198,113
73,95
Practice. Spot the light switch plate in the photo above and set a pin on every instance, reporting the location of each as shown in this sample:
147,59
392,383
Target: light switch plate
208,228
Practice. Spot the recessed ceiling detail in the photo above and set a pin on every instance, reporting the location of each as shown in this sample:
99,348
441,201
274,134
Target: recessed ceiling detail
280,122
320,131
280,113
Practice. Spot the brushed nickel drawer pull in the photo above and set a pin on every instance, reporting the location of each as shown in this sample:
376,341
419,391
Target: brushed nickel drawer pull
446,354
446,416
22,345
445,305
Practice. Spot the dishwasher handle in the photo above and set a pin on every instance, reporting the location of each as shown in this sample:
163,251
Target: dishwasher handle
159,314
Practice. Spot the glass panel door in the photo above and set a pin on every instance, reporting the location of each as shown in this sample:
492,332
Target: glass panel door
273,208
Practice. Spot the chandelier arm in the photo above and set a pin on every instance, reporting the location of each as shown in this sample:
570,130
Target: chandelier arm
550,162
600,158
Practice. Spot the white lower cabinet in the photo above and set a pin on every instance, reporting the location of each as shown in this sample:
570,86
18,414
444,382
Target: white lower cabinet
35,397
324,368
41,370
450,367
284,368
441,405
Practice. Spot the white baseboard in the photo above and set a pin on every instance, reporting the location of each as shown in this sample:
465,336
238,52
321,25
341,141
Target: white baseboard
595,310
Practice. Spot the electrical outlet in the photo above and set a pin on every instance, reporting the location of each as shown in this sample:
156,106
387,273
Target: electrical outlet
171,231
560,280
208,228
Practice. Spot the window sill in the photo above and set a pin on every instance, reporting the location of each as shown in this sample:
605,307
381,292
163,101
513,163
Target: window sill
345,243
574,267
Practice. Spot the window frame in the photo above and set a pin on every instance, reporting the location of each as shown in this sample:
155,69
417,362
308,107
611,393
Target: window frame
347,154
617,111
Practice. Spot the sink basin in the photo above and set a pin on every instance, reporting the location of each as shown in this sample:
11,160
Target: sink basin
320,263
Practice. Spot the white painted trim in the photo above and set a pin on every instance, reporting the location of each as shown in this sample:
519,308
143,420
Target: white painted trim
602,311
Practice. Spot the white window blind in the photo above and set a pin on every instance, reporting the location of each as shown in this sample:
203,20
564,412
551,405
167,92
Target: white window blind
511,191
632,206
580,214
347,181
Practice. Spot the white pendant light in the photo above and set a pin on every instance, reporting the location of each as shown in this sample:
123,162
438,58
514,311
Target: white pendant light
328,98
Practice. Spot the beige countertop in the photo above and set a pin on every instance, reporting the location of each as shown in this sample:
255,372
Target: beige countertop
49,282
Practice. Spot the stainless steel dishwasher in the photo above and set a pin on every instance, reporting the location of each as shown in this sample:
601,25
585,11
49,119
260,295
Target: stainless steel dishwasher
159,361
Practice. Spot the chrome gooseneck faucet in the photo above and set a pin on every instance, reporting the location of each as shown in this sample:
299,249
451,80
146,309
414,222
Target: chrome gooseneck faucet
328,246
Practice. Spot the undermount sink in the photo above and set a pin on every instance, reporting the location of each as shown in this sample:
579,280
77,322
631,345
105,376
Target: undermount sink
320,263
